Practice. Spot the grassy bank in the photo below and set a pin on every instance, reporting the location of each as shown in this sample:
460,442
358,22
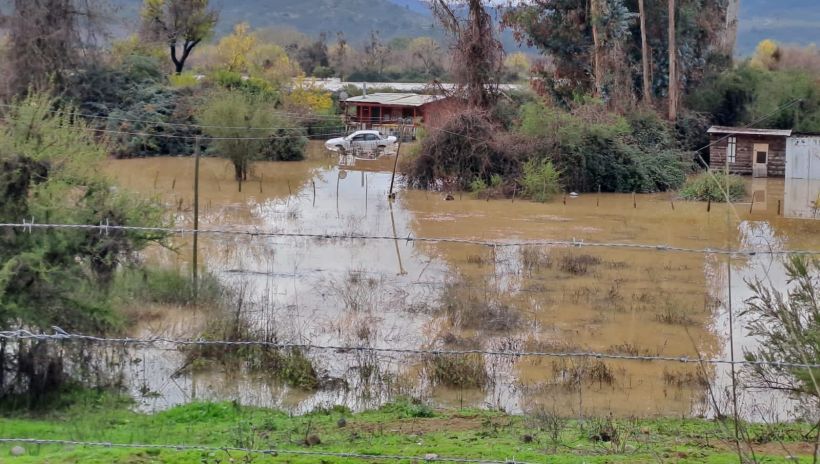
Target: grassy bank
398,429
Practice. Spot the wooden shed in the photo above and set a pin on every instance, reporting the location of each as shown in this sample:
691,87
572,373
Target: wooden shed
756,152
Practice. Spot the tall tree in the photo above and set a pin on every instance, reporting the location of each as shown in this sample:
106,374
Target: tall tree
563,31
50,38
673,64
478,57
375,54
646,75
597,47
182,24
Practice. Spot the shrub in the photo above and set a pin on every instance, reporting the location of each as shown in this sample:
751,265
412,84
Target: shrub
285,145
227,113
540,180
711,186
139,104
183,80
467,147
49,169
785,320
594,149
165,286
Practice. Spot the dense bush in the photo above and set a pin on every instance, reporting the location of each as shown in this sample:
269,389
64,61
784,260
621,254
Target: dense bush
135,103
712,186
285,145
593,149
242,122
464,149
50,171
540,180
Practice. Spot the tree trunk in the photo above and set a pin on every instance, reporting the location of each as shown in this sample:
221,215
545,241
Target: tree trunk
595,14
673,65
647,86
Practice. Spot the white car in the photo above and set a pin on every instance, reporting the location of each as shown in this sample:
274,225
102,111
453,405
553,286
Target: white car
364,141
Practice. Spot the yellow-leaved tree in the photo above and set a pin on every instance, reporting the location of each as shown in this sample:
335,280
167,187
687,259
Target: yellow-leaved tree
270,62
234,49
518,65
766,54
305,97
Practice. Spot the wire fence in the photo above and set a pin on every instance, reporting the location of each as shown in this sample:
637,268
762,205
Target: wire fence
267,452
62,336
255,231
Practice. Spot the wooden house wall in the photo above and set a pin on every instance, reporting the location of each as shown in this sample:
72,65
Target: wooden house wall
744,154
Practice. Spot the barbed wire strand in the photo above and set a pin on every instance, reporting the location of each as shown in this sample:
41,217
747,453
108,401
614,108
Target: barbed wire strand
270,452
253,231
63,336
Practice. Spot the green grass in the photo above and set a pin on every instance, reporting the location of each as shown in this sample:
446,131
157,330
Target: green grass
403,428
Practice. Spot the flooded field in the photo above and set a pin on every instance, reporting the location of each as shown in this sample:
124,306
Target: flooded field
455,296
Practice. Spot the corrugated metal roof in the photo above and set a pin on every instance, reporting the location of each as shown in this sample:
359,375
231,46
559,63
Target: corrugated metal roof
397,99
749,131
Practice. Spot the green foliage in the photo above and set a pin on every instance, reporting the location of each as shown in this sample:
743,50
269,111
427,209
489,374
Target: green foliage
229,114
456,432
408,407
477,186
541,180
183,80
141,106
61,277
164,286
592,148
254,86
712,186
767,98
787,325
285,145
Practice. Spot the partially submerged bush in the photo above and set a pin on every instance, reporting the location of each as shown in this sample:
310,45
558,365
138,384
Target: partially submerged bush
594,149
457,371
229,115
472,308
166,286
541,180
713,186
463,150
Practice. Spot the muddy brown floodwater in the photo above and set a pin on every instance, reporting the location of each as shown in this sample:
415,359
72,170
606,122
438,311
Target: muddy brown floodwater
400,294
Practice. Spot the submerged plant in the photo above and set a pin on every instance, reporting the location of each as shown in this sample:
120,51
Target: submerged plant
541,181
714,186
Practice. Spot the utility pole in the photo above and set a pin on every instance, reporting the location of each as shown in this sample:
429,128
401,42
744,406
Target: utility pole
392,195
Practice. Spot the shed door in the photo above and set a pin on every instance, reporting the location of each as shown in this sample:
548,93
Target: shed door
760,160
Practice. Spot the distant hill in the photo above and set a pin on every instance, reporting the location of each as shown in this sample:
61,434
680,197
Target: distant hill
356,18
786,21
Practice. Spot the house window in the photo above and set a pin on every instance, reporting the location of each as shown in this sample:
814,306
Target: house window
731,150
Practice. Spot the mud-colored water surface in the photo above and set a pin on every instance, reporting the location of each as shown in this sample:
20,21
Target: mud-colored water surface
417,295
